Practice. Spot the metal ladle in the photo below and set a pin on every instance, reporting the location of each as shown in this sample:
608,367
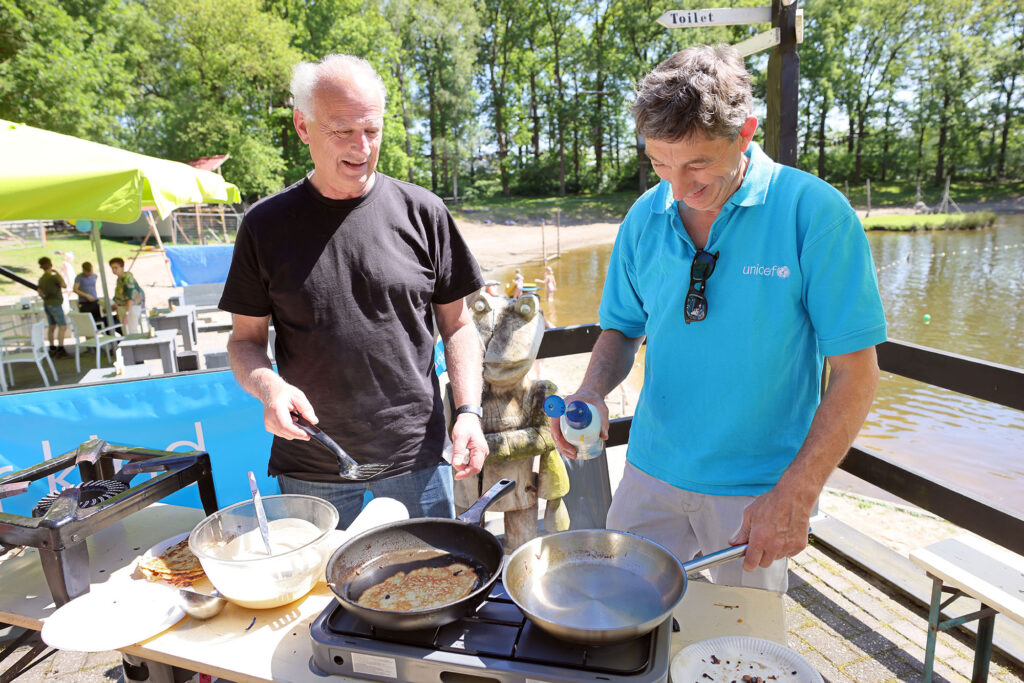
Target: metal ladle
200,606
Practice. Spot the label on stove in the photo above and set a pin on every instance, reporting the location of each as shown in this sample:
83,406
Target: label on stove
372,664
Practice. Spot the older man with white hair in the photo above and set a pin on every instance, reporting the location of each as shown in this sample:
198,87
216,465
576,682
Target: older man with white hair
355,268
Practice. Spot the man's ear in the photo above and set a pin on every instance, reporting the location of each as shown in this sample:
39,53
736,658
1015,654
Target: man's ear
747,132
299,119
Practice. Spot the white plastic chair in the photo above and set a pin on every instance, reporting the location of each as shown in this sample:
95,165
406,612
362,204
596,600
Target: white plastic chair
35,354
87,336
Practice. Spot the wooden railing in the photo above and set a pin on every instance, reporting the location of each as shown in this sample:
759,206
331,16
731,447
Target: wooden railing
991,382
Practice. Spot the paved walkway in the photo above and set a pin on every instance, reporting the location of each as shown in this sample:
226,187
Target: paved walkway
848,625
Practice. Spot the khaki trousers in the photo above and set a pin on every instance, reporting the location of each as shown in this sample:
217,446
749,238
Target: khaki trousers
687,523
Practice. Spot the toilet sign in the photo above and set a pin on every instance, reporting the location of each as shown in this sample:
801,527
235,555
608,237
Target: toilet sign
729,16
725,16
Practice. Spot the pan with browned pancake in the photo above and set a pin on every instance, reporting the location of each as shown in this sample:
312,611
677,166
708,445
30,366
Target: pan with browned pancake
419,573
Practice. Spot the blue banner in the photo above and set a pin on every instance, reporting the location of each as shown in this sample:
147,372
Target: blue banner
202,411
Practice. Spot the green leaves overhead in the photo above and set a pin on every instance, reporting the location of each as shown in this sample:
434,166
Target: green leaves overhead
510,96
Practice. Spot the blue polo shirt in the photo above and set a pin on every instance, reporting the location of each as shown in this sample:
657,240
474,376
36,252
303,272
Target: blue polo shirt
727,401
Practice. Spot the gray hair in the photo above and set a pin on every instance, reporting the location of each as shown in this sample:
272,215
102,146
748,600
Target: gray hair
307,76
701,89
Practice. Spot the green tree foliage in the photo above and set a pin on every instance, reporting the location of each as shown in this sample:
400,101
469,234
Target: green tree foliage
217,71
59,66
511,97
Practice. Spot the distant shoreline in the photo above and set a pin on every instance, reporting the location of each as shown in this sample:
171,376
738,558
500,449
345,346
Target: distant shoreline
502,246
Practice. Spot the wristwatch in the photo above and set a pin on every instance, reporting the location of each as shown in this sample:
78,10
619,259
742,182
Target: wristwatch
467,408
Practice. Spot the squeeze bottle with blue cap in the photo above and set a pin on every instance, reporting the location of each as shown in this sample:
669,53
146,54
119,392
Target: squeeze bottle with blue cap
581,425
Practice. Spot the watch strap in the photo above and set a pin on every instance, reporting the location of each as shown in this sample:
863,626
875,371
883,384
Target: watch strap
469,408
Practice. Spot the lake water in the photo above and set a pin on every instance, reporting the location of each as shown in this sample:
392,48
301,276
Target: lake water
970,284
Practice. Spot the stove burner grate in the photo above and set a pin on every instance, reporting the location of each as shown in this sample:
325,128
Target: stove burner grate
90,493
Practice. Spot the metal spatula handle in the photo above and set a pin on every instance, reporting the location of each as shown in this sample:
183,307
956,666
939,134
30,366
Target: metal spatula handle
349,468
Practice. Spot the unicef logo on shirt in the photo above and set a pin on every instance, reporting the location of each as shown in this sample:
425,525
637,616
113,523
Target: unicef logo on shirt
767,271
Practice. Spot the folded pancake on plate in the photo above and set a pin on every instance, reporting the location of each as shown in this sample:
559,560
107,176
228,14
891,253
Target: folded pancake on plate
176,565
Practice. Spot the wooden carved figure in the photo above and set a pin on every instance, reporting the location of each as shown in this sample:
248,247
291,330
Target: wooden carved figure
514,423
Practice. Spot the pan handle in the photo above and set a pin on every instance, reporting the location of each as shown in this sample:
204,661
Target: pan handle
715,558
475,514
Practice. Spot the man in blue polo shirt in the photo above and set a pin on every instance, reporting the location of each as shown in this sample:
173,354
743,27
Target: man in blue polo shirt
744,276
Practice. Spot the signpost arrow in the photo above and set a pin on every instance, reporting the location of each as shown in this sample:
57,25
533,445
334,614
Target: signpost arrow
725,16
762,41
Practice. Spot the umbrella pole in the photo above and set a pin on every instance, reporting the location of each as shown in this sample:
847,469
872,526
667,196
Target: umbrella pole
101,268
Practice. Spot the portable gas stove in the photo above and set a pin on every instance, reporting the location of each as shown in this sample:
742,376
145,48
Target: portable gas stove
495,644
62,521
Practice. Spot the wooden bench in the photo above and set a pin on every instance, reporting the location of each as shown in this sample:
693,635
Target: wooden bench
969,566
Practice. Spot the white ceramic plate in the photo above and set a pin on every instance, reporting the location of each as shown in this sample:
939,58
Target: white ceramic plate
738,656
113,615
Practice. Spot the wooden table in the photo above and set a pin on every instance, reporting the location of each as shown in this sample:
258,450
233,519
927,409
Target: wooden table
180,318
274,645
970,566
141,347
108,374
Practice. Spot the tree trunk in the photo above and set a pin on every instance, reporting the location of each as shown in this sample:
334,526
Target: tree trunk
641,164
556,34
432,124
885,139
940,162
858,158
821,139
1004,133
850,135
599,132
534,113
400,76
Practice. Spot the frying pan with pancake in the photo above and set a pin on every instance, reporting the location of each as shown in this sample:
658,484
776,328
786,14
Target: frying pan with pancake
375,555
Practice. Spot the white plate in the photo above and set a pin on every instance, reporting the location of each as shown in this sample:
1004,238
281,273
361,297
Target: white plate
738,656
113,615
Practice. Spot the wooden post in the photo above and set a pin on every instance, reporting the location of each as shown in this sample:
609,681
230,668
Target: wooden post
223,228
780,130
543,244
199,224
558,232
846,186
868,212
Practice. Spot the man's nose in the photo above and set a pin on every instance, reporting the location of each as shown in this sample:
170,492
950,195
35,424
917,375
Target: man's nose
363,144
681,183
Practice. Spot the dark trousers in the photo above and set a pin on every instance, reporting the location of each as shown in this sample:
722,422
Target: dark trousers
92,308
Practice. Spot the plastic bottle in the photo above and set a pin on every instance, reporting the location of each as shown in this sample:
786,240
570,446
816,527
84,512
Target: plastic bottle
581,425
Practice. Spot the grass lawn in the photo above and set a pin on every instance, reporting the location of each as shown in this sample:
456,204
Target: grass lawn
903,193
604,208
945,221
24,260
612,207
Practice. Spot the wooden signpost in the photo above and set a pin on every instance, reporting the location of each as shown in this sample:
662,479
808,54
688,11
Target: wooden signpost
783,62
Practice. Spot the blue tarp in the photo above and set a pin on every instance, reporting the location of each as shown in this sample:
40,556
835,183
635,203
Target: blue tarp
199,265
203,411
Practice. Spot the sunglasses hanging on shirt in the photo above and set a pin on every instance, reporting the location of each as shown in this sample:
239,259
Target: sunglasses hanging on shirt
695,307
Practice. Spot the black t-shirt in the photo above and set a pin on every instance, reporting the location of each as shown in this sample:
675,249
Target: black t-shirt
349,286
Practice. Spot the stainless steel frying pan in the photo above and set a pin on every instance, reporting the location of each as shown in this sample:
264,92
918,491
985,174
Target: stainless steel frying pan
598,586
